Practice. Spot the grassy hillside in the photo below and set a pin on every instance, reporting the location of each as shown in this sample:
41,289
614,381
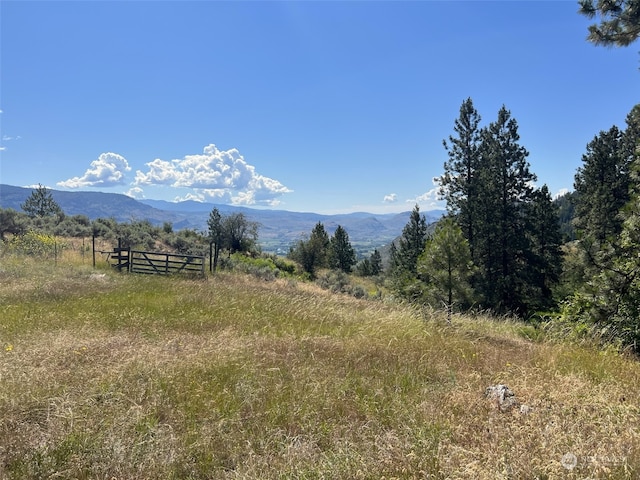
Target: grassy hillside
140,377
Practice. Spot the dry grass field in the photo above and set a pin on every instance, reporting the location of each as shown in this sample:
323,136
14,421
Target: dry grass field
116,376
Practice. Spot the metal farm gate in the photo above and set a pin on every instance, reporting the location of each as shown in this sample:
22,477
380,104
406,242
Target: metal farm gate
137,261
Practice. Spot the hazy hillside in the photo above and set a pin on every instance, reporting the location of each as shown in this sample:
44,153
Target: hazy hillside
279,229
92,204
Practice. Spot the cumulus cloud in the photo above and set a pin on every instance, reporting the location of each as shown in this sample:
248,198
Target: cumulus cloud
560,193
429,200
214,175
391,198
135,192
107,171
190,196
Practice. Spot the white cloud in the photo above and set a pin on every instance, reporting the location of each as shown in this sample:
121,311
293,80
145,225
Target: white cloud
429,200
215,174
108,170
135,192
391,198
190,196
560,193
8,138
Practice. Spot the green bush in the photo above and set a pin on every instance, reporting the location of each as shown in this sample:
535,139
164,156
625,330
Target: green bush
339,282
266,267
35,244
284,265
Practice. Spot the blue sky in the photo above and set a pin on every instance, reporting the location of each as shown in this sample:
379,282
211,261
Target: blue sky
321,106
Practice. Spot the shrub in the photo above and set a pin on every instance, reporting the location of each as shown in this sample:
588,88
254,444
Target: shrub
35,244
266,267
284,265
359,292
339,282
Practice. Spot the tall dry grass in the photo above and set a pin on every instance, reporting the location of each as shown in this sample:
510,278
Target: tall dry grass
104,375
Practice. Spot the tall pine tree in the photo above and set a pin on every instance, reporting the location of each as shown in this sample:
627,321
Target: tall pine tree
608,208
459,184
489,190
602,187
545,255
503,240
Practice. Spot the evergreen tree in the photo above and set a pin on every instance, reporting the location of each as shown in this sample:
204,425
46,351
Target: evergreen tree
411,242
375,261
608,300
370,267
312,254
41,204
631,135
502,243
565,205
320,242
619,21
488,188
459,184
404,257
445,266
363,268
342,256
545,257
609,303
394,261
602,187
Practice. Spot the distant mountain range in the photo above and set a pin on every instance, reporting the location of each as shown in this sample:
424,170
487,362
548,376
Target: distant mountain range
279,229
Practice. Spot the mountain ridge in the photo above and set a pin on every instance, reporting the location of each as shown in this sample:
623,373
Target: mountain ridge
279,229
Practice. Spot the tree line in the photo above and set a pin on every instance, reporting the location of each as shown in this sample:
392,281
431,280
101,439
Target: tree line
335,253
507,247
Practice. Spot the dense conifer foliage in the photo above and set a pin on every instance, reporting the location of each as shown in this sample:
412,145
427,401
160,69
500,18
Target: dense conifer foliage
619,21
342,256
41,204
489,190
607,300
445,267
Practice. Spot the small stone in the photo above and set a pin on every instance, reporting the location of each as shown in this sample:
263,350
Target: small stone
525,409
503,397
